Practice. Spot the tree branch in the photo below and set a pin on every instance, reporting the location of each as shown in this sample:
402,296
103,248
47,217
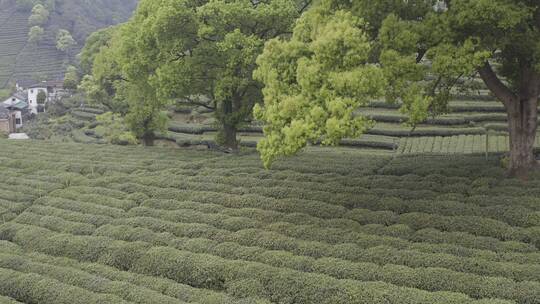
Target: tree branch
495,85
420,55
305,6
189,101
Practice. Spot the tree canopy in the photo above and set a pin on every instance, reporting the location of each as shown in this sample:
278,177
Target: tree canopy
64,41
423,49
200,53
314,83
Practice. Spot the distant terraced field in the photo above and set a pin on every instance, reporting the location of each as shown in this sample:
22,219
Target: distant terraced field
22,62
463,130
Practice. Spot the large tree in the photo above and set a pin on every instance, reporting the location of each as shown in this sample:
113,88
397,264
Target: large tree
423,49
204,52
122,79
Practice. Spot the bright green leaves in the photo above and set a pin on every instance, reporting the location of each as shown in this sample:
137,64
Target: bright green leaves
401,35
315,82
451,60
500,14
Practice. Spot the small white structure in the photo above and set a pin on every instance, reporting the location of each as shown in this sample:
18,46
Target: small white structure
52,89
18,136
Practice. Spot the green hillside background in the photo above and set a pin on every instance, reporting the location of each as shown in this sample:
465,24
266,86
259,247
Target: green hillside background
23,62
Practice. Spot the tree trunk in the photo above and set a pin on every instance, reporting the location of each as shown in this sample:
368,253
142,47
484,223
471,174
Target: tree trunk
148,139
522,110
523,125
228,132
229,137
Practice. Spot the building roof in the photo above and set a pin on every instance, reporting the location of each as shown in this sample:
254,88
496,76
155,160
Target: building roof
19,105
4,112
21,95
15,102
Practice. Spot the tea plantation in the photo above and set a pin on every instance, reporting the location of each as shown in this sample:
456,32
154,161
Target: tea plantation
110,224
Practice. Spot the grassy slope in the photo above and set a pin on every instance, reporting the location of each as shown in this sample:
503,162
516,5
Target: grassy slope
109,224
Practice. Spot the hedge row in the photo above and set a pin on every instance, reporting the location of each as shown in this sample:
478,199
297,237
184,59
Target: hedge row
33,288
163,286
6,300
125,291
26,180
240,278
72,216
342,189
375,199
97,198
55,224
15,196
479,227
81,207
488,243
258,217
431,279
366,249
201,129
475,225
427,132
246,218
15,207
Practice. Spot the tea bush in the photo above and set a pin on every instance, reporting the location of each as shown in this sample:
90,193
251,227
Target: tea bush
111,224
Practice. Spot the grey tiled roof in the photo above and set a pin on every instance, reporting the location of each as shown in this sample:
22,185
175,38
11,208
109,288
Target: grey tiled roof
4,112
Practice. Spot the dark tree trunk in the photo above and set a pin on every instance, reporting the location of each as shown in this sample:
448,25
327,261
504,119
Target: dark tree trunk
229,137
522,123
522,110
228,132
148,139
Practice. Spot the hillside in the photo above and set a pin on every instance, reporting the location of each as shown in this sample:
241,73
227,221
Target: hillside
110,224
23,62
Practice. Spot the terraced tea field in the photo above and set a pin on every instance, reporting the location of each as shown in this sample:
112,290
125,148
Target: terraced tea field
23,62
109,224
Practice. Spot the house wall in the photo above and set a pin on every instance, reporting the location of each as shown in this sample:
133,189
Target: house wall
4,126
32,99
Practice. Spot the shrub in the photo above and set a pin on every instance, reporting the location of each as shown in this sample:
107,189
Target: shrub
33,288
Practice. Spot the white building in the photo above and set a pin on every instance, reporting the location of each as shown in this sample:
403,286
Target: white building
52,89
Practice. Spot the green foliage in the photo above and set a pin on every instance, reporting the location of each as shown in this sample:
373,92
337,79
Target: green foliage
92,47
424,50
64,40
203,52
121,82
311,94
39,17
113,128
41,97
104,84
35,35
71,78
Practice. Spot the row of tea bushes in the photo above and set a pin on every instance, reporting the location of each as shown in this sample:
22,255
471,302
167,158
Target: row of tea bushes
211,272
